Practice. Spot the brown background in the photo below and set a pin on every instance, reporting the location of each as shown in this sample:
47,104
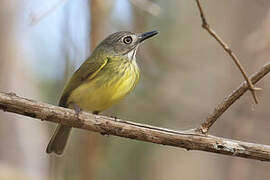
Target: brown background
185,73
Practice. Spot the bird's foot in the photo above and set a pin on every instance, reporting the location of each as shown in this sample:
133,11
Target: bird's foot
114,118
96,112
104,134
77,110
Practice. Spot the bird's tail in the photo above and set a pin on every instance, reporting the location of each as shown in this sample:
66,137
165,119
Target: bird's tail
59,139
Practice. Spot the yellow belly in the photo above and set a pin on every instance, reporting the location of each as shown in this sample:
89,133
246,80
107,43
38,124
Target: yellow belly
102,92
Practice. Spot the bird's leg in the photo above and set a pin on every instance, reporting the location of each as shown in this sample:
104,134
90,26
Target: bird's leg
77,110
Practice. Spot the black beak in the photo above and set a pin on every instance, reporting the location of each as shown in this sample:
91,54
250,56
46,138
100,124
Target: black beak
147,35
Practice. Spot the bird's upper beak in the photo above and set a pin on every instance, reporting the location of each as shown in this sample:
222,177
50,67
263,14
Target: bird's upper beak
147,35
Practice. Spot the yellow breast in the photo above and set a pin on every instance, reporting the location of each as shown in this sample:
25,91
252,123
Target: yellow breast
109,86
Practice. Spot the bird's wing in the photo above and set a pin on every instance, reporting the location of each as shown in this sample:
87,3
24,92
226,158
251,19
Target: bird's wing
88,70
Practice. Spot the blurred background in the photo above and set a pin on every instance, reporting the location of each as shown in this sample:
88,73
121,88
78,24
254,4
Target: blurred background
185,74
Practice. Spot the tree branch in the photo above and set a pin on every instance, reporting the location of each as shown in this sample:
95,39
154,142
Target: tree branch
37,16
206,26
231,98
148,6
190,140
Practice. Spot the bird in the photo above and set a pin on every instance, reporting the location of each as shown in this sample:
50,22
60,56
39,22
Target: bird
106,77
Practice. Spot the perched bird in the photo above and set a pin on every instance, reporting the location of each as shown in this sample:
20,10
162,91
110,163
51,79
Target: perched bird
107,76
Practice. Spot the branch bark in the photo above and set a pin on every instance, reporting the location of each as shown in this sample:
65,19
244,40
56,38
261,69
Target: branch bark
190,140
231,98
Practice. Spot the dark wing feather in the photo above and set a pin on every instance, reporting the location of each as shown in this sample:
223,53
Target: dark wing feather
88,70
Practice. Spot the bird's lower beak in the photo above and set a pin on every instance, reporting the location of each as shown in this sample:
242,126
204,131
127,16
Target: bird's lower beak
147,35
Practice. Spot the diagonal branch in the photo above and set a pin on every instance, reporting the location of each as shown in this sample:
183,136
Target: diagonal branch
206,26
189,140
147,6
231,98
36,17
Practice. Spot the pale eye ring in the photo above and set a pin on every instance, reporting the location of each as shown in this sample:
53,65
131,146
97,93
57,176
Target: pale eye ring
127,40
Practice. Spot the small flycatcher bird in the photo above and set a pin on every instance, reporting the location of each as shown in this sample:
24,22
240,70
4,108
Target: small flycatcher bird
107,76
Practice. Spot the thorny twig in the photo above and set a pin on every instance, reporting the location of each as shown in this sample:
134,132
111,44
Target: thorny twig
231,98
207,27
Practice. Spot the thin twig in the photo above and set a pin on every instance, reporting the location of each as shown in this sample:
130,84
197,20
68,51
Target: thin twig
206,26
231,98
36,17
190,140
147,6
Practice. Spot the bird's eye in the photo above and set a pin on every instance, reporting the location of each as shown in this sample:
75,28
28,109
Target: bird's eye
127,40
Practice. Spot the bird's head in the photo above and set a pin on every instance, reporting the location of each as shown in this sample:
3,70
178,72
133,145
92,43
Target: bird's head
123,43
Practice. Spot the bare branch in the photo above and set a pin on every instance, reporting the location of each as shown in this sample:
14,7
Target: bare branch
36,17
148,6
190,140
231,98
206,26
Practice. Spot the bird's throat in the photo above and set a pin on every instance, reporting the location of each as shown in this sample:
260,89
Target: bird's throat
131,55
